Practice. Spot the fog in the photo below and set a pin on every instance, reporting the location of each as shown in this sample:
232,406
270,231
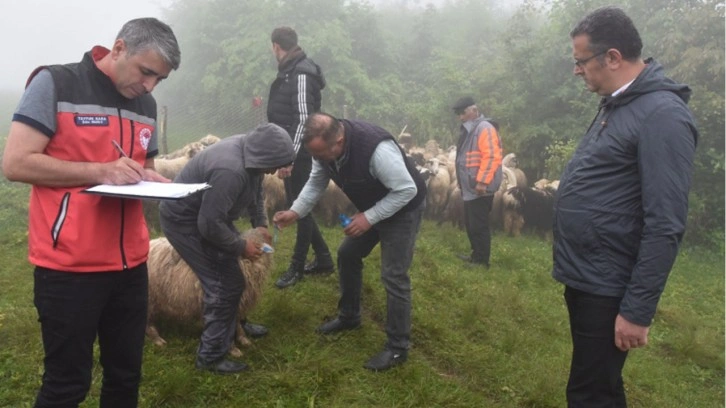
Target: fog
38,32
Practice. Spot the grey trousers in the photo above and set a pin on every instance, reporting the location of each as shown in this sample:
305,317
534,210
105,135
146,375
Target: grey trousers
397,236
222,282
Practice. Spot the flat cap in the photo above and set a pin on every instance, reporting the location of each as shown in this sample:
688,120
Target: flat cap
463,103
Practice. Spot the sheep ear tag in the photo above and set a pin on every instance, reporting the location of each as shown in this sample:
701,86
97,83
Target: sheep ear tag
267,248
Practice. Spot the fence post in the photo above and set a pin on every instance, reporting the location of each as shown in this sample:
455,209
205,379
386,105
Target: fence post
162,130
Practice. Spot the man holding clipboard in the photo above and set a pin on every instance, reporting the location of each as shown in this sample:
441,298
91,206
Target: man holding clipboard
90,251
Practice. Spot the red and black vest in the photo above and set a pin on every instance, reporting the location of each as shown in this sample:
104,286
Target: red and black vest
77,232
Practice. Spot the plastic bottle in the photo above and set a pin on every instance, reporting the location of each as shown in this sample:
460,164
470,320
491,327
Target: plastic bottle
344,220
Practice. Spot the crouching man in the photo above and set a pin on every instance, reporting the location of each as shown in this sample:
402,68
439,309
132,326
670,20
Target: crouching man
201,228
371,169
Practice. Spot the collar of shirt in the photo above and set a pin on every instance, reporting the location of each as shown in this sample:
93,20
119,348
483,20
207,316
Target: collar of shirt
623,88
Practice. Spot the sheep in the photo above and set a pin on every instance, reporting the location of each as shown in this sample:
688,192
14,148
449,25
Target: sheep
496,215
175,293
525,206
454,211
209,140
437,188
333,203
169,168
273,189
183,151
510,161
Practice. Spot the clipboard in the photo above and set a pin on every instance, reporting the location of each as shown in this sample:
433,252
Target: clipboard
149,190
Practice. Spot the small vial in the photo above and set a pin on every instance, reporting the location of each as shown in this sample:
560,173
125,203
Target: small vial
267,248
344,220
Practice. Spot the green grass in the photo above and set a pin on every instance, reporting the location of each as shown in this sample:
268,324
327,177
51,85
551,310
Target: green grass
496,338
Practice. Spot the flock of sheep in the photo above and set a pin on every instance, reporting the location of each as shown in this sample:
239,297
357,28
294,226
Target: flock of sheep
175,293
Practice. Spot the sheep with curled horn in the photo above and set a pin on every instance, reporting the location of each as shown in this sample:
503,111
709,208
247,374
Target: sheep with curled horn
175,292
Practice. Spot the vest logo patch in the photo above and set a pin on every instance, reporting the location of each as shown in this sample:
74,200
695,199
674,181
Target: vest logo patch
91,120
145,138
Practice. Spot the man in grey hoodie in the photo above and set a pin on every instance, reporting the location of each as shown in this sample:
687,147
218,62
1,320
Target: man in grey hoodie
201,228
622,204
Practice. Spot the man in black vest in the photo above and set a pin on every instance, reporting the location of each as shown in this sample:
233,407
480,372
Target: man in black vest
294,94
371,169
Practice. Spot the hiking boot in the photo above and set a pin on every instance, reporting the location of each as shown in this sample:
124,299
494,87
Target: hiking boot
386,359
319,266
292,275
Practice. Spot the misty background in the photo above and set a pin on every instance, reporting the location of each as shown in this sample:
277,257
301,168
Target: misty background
398,63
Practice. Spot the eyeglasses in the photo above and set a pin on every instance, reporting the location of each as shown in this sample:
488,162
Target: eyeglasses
581,63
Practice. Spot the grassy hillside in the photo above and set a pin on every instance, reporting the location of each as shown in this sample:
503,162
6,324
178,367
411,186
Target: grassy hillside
496,338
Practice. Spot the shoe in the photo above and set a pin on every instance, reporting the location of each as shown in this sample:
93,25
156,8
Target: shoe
319,268
222,366
292,275
254,330
337,325
470,262
385,360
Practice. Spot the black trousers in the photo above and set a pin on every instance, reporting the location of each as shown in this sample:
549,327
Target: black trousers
74,308
222,282
308,232
476,219
596,379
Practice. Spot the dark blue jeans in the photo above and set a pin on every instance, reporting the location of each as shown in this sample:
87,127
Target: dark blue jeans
74,308
397,236
596,379
308,233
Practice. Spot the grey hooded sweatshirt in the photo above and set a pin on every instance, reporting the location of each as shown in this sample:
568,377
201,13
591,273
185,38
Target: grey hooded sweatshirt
622,203
234,168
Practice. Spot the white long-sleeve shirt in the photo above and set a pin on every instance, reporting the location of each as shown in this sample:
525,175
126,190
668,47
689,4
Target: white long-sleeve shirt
386,165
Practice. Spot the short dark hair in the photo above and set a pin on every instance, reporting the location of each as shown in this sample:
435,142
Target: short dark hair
322,125
144,34
609,27
285,37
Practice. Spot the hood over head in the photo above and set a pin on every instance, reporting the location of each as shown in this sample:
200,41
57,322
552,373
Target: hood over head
268,146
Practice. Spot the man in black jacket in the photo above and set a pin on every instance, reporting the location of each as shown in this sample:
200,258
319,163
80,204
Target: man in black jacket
294,95
622,204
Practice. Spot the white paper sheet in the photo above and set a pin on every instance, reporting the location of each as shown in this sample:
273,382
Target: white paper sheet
149,190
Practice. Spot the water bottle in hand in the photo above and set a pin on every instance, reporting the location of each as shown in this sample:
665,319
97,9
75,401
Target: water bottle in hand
344,220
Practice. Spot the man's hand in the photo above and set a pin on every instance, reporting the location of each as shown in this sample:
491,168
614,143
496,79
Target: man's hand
253,250
122,171
265,234
480,188
284,218
284,172
358,226
152,175
629,335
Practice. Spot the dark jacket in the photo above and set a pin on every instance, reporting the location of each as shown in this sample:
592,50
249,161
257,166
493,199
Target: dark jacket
233,167
295,94
622,202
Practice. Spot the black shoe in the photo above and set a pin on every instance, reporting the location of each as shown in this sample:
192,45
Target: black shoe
254,330
292,275
319,268
385,360
222,366
472,262
337,325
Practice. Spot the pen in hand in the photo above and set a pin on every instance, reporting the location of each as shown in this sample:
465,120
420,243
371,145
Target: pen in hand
118,147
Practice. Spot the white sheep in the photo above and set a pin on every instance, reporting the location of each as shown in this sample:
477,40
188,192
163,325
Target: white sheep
176,294
437,188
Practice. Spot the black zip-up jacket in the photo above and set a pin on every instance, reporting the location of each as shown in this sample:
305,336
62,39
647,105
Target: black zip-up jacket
622,202
295,94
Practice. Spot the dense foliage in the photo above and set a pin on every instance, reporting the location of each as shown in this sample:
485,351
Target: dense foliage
404,64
